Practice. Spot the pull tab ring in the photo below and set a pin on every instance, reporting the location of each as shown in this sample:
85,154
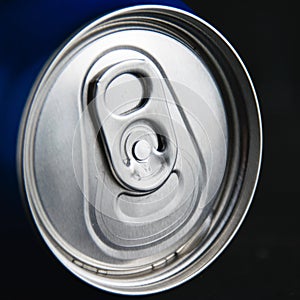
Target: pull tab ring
140,144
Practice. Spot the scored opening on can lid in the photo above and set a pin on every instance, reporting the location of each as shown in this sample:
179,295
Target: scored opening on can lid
140,149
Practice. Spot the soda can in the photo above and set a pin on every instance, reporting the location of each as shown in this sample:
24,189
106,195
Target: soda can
140,149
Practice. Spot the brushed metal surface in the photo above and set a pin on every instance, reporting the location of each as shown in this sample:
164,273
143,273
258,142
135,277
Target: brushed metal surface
99,215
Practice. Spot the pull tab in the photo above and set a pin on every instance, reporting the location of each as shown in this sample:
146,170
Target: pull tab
140,144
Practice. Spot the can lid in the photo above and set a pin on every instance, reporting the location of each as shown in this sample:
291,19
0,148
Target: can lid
140,149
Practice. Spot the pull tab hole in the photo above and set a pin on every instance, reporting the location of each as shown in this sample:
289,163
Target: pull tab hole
125,94
161,143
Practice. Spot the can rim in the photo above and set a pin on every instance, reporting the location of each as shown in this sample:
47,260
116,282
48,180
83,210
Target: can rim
230,228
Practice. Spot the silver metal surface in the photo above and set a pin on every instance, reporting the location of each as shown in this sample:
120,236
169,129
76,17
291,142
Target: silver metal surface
140,149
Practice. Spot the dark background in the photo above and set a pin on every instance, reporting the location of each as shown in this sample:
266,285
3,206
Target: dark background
263,261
